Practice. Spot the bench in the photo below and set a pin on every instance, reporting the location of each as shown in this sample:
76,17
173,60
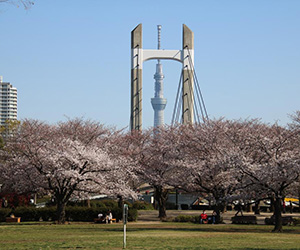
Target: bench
247,219
13,219
98,220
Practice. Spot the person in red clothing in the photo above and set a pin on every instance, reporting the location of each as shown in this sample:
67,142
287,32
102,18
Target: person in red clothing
203,218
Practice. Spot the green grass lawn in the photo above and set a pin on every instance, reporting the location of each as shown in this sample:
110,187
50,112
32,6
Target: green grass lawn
146,236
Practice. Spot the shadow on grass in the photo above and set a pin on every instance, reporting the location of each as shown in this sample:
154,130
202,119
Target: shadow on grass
255,248
216,229
184,227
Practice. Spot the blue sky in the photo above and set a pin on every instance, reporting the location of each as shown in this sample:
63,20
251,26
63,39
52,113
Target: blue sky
71,58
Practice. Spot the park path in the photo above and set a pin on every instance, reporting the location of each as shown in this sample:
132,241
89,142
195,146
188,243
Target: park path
152,215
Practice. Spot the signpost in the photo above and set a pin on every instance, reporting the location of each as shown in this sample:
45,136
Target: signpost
125,218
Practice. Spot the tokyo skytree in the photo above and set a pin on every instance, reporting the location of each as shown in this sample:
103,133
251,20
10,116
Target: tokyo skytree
158,102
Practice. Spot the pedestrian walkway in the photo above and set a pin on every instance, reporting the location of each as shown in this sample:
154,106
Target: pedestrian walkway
152,215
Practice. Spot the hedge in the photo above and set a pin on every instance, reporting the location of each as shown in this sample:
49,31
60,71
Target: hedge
73,213
296,221
4,212
88,214
35,214
142,205
187,218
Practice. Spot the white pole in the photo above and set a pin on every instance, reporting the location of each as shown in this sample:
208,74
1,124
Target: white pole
125,216
124,239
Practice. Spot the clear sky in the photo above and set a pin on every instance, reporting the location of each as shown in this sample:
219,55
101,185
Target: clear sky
71,58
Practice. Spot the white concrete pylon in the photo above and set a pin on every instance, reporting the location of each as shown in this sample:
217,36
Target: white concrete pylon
139,55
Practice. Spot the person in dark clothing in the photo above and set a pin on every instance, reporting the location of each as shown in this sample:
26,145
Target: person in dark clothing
239,209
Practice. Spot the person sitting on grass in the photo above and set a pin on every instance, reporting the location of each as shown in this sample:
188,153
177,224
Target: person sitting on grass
214,216
203,218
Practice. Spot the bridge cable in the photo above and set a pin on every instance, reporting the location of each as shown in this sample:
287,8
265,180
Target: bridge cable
197,84
198,99
192,94
175,111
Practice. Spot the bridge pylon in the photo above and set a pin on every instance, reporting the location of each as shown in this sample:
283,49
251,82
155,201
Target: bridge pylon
139,55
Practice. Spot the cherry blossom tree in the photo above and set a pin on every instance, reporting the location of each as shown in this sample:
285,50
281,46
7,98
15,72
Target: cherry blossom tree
130,145
127,147
26,4
241,159
210,160
157,160
270,160
295,126
295,120
70,159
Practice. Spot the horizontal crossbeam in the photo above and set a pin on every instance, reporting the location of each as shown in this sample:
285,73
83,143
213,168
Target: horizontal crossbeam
150,54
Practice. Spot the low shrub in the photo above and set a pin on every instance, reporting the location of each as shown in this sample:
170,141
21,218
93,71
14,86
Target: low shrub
186,218
27,213
132,214
88,214
97,203
296,221
47,213
73,213
197,218
286,220
35,214
79,213
110,204
168,219
93,203
142,205
4,212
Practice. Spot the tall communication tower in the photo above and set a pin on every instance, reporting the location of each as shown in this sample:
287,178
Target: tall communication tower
158,102
185,56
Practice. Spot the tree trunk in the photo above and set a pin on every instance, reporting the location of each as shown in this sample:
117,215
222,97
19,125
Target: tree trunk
223,206
299,193
61,212
277,216
120,201
272,205
217,209
249,207
161,196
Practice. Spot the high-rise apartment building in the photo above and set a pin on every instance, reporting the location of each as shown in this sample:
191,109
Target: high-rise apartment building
8,102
